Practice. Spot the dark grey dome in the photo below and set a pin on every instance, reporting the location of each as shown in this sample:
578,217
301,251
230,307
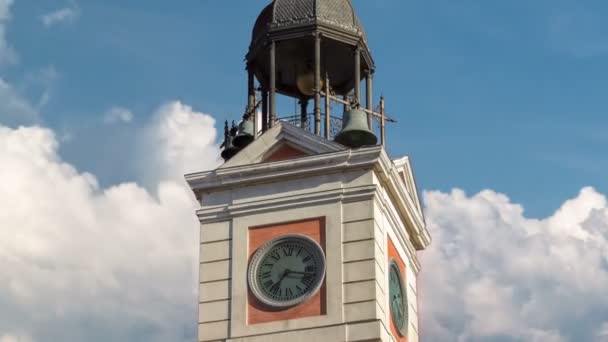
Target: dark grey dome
292,26
288,14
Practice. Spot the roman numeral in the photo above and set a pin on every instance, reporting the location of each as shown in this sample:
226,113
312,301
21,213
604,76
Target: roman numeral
288,251
268,284
275,255
268,264
309,269
307,259
299,251
266,274
275,289
299,289
288,292
307,280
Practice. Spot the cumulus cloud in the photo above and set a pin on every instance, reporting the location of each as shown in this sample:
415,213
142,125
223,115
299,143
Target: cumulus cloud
492,274
7,54
118,114
66,14
185,139
85,263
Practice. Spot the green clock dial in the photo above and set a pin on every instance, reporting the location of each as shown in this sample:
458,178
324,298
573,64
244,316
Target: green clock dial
398,299
287,270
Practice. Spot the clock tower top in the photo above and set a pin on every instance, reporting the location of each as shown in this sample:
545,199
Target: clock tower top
309,230
310,50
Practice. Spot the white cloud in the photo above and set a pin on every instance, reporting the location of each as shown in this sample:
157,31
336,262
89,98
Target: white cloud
14,338
492,274
7,54
66,14
80,262
118,114
186,140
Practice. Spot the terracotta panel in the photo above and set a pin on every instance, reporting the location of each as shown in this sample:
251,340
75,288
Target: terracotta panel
316,306
393,254
285,152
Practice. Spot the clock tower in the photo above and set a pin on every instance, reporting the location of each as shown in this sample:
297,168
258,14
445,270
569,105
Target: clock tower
309,231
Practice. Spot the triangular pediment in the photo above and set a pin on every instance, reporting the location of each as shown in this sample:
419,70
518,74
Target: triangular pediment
283,141
406,174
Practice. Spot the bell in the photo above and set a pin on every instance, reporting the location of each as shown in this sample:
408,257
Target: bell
355,132
245,135
229,149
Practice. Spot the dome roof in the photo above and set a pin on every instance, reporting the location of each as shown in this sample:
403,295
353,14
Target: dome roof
287,14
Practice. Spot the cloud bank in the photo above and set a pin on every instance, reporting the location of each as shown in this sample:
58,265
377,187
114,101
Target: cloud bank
494,275
84,263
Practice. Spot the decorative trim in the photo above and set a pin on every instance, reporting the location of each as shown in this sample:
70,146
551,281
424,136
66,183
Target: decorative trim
223,213
405,243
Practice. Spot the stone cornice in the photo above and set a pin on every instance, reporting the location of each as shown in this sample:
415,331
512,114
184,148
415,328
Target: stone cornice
243,175
223,213
371,157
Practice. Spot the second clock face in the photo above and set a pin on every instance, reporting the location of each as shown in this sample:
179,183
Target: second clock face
398,300
287,270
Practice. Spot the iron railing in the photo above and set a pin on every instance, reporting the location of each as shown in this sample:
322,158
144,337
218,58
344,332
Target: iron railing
335,123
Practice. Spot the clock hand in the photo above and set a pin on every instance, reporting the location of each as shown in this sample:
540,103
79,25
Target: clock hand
278,283
287,271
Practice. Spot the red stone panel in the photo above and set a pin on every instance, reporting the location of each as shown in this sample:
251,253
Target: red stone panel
316,306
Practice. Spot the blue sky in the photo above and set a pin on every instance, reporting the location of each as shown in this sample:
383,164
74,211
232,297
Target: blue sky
504,102
502,95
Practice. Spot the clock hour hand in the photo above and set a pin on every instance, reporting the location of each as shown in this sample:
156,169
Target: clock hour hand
277,285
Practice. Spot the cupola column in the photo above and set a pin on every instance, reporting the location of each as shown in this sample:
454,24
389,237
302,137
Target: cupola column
304,113
250,89
264,109
273,83
358,76
317,84
369,96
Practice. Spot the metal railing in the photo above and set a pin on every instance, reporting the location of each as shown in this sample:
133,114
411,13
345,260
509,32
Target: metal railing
335,123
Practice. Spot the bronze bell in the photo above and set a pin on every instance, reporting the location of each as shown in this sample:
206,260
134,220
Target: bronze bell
245,135
229,149
355,132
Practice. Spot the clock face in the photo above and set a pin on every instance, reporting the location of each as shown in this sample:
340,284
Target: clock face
398,299
287,270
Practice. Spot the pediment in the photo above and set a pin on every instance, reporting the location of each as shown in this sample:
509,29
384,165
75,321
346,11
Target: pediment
283,141
406,174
